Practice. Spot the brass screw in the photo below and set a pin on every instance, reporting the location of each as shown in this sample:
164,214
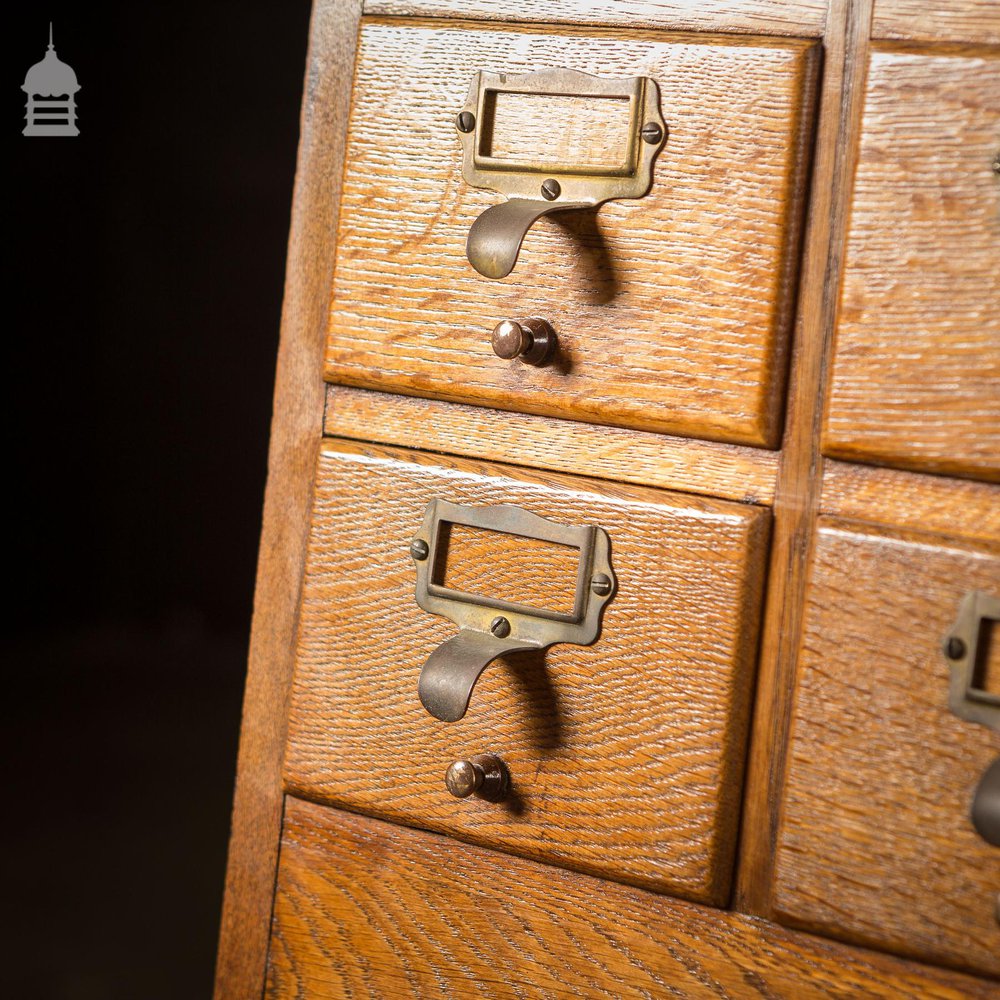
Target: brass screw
601,584
465,122
954,648
500,627
652,133
996,164
419,549
551,189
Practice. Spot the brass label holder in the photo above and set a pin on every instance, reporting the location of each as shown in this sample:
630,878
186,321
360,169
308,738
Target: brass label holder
961,647
969,700
540,186
490,627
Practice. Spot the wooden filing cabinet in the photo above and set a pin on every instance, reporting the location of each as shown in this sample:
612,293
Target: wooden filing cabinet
762,463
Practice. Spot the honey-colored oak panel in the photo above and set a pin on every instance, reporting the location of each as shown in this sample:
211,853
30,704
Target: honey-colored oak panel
875,841
916,372
365,908
626,756
963,508
976,21
761,17
672,311
730,471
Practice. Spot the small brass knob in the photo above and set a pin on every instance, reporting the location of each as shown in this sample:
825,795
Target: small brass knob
484,774
532,340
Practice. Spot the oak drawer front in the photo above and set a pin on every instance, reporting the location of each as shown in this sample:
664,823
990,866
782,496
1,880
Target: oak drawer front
917,358
875,842
369,909
672,311
626,756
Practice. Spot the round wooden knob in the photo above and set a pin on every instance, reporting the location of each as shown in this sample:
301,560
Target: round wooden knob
484,774
531,340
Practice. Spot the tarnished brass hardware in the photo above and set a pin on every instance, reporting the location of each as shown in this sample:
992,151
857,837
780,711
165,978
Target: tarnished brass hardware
550,183
490,627
483,774
967,698
996,164
532,340
986,805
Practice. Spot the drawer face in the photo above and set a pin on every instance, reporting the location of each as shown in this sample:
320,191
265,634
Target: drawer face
875,841
626,756
917,358
369,909
672,311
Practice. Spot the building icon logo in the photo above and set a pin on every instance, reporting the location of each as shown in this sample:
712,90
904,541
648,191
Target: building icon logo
51,88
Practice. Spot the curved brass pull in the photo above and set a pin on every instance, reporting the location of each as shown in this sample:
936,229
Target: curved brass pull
546,180
490,627
451,671
496,236
986,805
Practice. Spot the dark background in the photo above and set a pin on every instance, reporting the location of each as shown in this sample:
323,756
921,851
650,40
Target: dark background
148,263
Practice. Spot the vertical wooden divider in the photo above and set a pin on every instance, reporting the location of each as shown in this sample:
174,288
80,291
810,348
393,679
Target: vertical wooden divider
799,482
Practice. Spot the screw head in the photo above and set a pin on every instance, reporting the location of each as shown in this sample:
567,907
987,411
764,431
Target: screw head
465,121
419,549
996,164
652,133
500,627
551,189
600,584
954,648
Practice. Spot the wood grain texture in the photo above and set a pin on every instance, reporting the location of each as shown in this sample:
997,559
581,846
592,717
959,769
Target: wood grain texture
917,364
627,756
761,17
876,844
962,508
672,311
975,21
365,908
295,431
732,472
798,485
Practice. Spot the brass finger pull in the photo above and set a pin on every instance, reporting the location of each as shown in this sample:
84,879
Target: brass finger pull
542,181
986,805
490,627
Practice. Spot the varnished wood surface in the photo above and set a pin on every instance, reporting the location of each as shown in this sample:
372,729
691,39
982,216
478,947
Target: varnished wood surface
365,908
672,311
296,427
876,844
916,376
626,756
762,17
733,472
798,485
963,508
974,21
